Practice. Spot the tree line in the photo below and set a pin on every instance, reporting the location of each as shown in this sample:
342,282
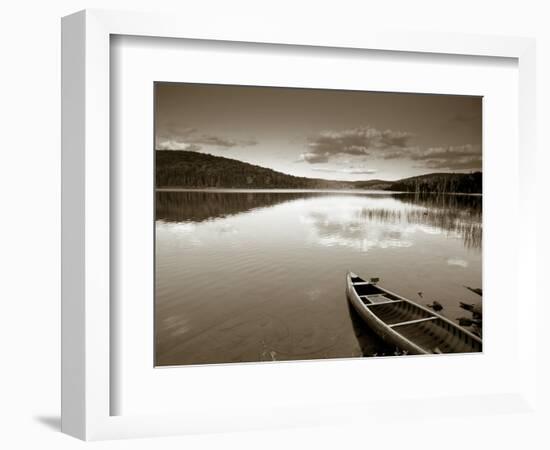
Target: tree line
199,170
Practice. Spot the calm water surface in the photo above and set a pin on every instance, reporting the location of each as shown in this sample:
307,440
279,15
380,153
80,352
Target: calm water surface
260,276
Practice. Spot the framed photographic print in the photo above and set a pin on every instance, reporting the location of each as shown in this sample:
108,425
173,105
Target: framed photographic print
243,247
268,198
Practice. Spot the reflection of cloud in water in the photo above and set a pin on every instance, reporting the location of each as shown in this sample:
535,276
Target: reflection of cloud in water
177,227
359,221
457,262
364,223
426,229
178,232
227,229
363,245
457,216
306,220
342,226
361,238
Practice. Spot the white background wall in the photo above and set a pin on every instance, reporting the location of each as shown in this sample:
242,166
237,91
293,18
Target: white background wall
29,227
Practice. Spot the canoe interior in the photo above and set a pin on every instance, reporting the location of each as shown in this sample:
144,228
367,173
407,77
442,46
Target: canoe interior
439,336
427,330
397,312
433,334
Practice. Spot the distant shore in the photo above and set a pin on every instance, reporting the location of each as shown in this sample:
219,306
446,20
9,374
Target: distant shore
328,191
177,169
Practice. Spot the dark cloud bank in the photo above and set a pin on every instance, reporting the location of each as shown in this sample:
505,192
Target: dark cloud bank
371,143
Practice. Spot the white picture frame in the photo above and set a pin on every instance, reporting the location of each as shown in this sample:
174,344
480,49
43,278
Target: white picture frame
86,221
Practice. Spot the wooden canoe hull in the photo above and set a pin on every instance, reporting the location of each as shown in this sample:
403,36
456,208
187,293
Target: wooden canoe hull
455,338
381,329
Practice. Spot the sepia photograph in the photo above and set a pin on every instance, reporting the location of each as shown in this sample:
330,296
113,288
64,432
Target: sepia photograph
304,224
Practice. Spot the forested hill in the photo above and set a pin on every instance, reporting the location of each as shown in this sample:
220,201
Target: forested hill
466,183
185,169
200,170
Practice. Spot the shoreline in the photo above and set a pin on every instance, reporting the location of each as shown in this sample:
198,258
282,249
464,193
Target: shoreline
327,191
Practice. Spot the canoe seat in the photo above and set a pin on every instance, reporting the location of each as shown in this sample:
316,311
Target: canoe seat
378,298
371,290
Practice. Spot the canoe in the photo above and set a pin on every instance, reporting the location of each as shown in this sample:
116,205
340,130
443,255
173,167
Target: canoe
413,328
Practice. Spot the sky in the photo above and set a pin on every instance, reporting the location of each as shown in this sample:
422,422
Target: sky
321,133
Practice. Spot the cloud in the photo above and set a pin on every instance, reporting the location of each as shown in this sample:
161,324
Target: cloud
448,152
314,158
457,262
473,163
223,142
188,139
461,157
349,171
355,142
176,130
177,145
372,143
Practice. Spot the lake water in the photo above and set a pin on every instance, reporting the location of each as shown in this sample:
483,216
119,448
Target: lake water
260,276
